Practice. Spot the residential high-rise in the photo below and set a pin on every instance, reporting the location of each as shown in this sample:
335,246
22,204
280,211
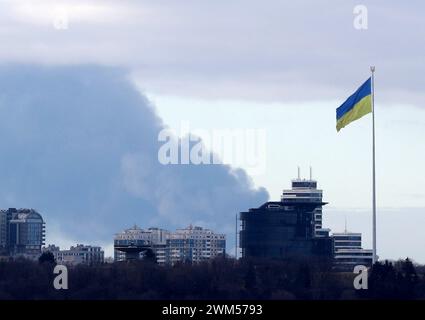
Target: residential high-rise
195,244
159,238
192,244
132,241
21,232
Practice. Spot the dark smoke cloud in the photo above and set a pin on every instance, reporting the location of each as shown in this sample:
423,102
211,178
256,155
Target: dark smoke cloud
80,145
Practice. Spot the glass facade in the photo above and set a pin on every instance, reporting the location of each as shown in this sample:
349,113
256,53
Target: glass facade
22,232
276,230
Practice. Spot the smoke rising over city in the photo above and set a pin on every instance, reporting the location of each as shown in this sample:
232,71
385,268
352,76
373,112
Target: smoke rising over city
80,145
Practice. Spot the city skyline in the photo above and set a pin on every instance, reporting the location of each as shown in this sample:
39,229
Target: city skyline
301,187
82,121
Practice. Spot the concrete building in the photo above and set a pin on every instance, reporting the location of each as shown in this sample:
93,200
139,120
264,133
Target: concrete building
133,242
22,232
4,226
348,251
80,254
306,189
195,244
159,244
192,244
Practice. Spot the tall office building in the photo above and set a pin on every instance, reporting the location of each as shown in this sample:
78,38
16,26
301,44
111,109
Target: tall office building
4,227
306,190
287,228
22,232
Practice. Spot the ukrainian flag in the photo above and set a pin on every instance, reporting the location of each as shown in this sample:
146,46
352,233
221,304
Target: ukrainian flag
356,106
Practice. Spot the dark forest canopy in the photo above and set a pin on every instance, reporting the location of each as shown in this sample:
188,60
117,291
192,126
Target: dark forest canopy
221,278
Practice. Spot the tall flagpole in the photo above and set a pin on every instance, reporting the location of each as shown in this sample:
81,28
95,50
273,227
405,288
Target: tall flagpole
372,69
236,237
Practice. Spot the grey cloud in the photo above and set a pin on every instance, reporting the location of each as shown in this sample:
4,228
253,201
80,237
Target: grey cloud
80,145
279,51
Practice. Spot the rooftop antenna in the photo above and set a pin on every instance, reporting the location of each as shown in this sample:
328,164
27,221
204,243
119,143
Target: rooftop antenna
299,177
345,231
311,173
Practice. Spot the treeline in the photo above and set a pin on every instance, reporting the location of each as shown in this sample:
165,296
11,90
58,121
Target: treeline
221,278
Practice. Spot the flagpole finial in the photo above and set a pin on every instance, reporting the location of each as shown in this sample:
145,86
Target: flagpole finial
372,68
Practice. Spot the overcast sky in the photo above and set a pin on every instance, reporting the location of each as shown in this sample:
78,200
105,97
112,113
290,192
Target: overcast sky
279,66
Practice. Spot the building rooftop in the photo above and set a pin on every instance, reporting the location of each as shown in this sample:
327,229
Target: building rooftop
23,215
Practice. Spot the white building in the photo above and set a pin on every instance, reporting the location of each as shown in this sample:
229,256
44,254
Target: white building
348,251
80,254
195,244
306,189
156,238
192,244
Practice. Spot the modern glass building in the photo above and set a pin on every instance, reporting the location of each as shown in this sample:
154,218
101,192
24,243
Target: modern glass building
283,230
22,232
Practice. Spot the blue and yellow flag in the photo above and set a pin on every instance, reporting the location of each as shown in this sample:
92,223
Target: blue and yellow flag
356,106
